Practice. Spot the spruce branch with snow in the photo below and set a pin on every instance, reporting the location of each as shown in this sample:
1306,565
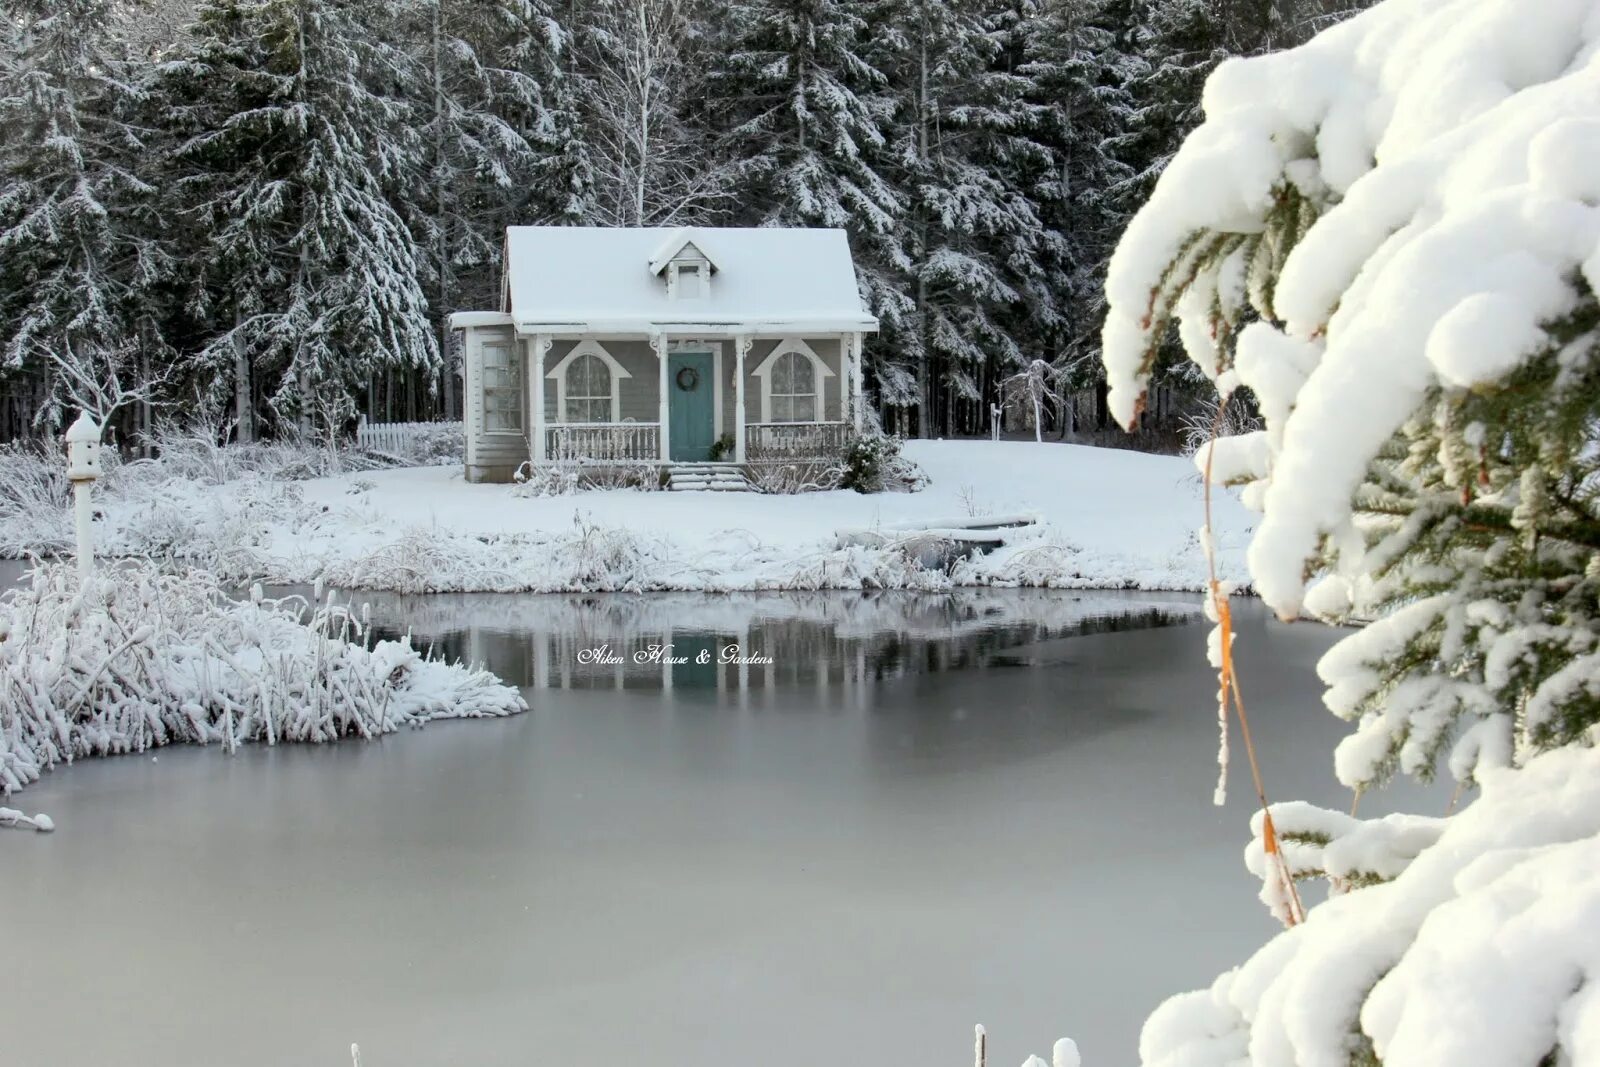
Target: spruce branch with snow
1391,237
1413,308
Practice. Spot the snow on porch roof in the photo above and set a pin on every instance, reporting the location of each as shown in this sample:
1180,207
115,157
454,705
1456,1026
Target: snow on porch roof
600,278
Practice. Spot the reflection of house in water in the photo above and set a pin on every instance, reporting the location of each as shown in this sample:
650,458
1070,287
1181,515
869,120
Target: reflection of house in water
832,642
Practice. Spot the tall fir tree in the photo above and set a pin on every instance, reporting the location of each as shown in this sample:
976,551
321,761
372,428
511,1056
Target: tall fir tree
496,140
804,111
308,271
80,256
958,151
1081,82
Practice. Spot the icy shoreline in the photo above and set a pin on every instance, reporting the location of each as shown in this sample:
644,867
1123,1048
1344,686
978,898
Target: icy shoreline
1107,519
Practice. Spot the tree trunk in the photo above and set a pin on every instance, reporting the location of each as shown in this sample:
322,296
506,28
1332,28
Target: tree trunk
925,416
244,414
442,209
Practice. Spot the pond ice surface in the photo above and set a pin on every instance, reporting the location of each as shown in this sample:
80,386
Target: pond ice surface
926,812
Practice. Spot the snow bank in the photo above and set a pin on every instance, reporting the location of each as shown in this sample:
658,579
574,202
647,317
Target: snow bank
1481,950
1430,168
1108,518
136,659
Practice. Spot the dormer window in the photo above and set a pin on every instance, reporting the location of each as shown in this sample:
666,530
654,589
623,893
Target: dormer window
689,281
686,265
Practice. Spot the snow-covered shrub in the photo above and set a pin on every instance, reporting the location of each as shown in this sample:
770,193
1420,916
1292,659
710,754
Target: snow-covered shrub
1213,418
544,479
796,476
35,497
873,463
431,444
135,659
646,477
556,479
895,566
1392,236
868,459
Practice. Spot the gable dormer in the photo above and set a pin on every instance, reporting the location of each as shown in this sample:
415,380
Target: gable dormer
685,266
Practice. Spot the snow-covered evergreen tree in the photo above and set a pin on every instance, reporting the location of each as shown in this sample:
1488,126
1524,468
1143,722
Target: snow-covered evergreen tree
958,154
804,110
1409,290
496,140
1081,82
80,254
1175,44
291,137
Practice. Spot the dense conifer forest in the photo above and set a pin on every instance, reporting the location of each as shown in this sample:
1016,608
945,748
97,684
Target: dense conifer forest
263,210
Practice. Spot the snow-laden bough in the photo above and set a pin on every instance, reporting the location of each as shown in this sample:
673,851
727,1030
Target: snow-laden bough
1406,202
1391,237
1472,942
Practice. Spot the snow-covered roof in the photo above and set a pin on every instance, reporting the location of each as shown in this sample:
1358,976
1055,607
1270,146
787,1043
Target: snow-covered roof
603,279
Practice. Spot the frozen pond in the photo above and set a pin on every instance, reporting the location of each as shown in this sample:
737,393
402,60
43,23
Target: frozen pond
926,812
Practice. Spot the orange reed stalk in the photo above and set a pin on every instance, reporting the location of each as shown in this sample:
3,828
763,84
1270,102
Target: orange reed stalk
1228,687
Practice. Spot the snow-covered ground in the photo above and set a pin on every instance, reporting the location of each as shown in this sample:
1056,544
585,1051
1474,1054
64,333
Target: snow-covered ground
1108,518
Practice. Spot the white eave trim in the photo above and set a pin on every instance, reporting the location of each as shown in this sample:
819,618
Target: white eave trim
751,327
462,320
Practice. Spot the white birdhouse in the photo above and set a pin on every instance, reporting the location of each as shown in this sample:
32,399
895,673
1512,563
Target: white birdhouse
83,450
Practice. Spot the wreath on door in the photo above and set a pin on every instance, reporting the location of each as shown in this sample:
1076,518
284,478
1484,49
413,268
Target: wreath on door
688,379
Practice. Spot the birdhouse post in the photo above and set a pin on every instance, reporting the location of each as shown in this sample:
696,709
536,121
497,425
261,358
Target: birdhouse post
83,467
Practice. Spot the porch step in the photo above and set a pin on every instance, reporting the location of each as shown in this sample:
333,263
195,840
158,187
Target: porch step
706,477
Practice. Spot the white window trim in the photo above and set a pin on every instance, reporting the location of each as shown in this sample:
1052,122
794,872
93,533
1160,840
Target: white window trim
559,373
763,372
674,287
715,348
512,357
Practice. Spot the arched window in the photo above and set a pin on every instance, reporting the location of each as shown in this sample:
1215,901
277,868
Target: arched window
588,381
588,390
794,389
793,378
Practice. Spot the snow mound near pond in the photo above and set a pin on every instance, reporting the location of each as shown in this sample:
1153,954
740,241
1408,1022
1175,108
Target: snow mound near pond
135,659
1107,518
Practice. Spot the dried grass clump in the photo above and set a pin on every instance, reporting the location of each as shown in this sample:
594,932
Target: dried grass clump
135,659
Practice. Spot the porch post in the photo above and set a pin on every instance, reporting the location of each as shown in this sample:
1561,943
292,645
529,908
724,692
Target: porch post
741,345
658,341
536,353
857,399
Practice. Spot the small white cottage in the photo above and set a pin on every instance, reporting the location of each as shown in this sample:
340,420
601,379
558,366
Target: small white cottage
651,346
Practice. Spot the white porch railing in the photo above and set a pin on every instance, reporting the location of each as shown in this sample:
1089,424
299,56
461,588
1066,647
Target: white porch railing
603,442
398,436
794,440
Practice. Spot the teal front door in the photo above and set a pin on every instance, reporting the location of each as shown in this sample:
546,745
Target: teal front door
691,388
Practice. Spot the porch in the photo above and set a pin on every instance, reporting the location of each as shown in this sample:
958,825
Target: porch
739,398
631,443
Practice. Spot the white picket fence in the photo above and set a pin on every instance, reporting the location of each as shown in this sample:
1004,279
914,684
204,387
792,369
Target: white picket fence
398,436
